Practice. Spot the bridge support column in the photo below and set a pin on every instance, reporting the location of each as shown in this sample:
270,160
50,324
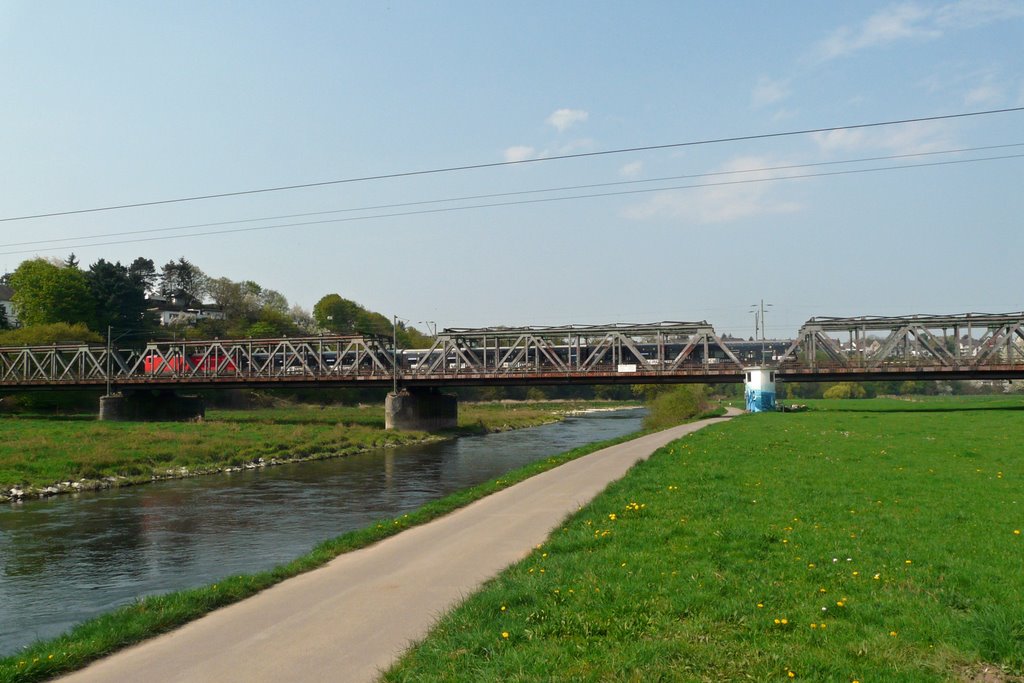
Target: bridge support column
147,406
760,388
425,410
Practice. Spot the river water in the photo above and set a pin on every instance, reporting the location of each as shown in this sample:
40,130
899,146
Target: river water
72,557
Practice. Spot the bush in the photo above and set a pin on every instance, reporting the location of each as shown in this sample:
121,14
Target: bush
846,390
677,405
48,334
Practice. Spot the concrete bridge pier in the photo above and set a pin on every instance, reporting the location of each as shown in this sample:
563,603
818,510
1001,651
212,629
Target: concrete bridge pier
151,406
425,410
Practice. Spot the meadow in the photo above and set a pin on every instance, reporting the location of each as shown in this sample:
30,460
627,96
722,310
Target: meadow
863,540
38,451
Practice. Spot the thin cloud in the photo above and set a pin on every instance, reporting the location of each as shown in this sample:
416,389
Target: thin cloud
890,25
768,92
909,138
563,119
519,153
984,94
974,13
720,204
632,170
913,21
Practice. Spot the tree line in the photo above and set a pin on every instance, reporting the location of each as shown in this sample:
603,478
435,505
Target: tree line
58,301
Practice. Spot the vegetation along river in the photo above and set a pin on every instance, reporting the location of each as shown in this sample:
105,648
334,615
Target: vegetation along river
69,558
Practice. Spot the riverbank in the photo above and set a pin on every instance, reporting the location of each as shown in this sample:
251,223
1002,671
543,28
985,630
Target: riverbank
42,456
155,614
861,540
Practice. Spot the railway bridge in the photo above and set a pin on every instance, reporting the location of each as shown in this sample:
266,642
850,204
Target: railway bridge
144,381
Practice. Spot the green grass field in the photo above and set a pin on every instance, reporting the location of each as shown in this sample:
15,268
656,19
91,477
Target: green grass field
871,540
40,451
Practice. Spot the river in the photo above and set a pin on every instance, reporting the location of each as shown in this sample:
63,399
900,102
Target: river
66,559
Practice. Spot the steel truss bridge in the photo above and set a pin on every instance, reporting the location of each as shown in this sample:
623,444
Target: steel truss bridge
969,346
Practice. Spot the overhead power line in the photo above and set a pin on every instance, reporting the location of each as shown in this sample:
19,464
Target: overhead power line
495,164
514,193
542,200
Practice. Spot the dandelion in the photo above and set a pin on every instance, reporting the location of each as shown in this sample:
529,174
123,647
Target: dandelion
814,625
791,674
810,565
892,633
1016,532
785,621
823,625
612,516
907,562
760,605
777,621
504,634
840,603
503,608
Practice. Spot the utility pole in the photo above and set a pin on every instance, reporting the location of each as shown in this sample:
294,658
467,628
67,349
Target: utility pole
109,343
394,355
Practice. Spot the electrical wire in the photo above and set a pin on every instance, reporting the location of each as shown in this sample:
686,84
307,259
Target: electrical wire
509,194
496,164
520,203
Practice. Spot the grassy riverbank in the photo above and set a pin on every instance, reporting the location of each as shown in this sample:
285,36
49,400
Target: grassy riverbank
71,453
153,615
864,540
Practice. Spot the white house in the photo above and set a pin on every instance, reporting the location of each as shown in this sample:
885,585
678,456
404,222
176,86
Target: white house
179,311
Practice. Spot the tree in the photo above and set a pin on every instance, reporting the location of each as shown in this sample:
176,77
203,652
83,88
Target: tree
142,271
45,292
4,323
337,314
183,277
237,300
120,300
271,298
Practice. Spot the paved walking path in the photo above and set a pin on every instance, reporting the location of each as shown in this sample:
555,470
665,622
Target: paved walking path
352,618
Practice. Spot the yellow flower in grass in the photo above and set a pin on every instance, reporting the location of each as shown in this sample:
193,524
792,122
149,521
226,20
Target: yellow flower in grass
504,634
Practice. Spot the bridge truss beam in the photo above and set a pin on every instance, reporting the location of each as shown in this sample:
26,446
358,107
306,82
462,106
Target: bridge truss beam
508,352
969,342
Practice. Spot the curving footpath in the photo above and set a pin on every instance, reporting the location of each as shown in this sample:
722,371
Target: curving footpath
352,618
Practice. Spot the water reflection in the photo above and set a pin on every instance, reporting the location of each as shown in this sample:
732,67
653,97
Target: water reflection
70,558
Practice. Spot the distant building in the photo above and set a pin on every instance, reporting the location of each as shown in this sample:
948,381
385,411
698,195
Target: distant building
180,310
6,295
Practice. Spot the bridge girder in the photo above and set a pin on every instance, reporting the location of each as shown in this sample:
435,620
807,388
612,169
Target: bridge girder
941,341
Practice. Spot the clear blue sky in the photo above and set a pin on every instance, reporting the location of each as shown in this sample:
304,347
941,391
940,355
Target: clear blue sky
119,102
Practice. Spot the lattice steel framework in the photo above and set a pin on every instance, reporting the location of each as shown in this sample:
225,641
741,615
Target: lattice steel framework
972,341
200,362
654,348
